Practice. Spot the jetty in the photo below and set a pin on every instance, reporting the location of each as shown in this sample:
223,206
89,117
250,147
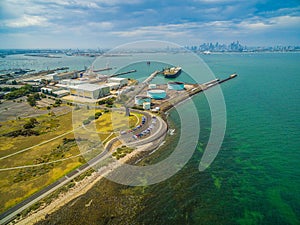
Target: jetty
122,73
196,88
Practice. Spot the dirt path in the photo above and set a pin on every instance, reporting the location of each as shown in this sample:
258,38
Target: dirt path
79,189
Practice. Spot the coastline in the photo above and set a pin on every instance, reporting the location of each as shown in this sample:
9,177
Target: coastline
88,182
83,186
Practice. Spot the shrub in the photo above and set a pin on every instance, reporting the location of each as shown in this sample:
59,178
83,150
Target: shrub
86,122
91,118
97,115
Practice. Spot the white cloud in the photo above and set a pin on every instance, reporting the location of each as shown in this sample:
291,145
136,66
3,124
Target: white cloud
116,2
26,21
105,25
170,30
279,22
220,1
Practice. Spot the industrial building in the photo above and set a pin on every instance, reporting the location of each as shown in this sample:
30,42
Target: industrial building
61,93
46,90
67,75
152,86
113,86
121,81
73,82
91,91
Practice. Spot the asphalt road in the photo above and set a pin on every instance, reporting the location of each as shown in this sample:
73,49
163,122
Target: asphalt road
158,131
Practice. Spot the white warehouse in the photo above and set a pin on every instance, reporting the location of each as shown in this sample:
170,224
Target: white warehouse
121,81
91,91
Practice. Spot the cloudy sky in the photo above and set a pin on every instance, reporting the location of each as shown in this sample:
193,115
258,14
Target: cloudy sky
108,23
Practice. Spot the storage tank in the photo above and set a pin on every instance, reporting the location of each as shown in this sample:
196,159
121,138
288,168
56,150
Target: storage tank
147,105
152,86
157,94
140,99
178,86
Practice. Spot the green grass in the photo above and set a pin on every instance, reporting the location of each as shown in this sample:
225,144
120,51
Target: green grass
18,184
122,152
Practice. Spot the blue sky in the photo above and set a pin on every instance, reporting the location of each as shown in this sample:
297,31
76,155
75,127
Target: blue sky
108,23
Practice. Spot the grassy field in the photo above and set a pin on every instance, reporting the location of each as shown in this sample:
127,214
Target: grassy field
18,184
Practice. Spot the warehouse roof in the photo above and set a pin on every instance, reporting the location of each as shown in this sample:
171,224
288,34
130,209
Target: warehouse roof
88,87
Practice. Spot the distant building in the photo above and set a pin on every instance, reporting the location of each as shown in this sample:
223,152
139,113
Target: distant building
113,86
121,81
67,75
46,90
91,91
61,93
152,86
73,82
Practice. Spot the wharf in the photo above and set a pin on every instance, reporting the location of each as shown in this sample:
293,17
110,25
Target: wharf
123,73
196,88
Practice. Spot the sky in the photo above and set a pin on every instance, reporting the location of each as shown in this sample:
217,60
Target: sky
109,23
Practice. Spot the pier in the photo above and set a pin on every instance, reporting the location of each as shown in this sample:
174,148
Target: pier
151,77
197,88
122,73
102,69
140,88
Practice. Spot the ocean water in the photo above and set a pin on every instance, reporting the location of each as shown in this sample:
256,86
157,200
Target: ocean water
21,61
255,178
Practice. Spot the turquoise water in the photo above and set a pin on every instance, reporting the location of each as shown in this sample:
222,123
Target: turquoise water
255,177
21,61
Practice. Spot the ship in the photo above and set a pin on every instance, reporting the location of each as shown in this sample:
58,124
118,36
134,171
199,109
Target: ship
171,72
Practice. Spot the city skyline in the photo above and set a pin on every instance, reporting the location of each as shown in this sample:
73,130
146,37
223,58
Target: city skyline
106,24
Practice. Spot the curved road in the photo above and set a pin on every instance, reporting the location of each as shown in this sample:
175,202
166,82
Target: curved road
161,129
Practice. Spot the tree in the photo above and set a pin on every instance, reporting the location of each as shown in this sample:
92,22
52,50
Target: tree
97,115
30,124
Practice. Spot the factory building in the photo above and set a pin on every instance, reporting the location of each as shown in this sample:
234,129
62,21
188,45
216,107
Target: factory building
91,91
67,75
46,90
113,86
121,81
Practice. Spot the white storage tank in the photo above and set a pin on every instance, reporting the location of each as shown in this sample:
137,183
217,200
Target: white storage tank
157,94
147,105
140,99
152,86
177,86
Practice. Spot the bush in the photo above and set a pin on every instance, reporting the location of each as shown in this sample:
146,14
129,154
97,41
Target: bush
23,91
58,101
86,122
97,115
91,118
30,124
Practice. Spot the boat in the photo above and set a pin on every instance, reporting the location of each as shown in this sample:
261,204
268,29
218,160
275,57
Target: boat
171,72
